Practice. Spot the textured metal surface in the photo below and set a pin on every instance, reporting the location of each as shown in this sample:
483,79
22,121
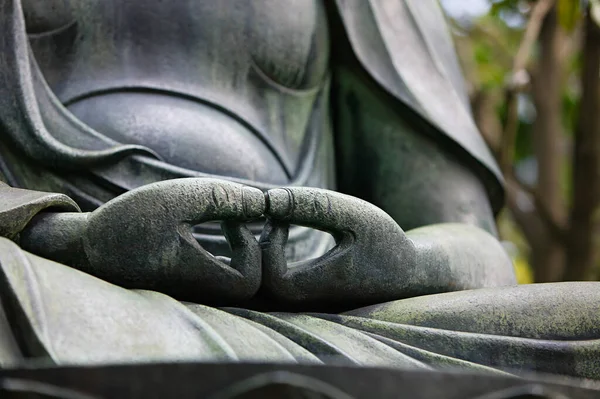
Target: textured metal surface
426,77
104,100
269,381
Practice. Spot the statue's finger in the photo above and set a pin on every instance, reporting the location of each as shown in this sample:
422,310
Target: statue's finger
198,200
222,200
246,252
321,209
272,243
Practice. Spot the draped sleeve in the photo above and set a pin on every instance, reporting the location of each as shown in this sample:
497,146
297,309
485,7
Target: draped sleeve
19,206
405,46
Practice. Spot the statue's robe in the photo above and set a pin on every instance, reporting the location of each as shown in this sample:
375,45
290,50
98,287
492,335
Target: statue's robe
53,313
404,46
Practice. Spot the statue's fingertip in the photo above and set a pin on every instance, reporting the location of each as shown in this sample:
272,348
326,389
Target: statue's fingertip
279,203
253,201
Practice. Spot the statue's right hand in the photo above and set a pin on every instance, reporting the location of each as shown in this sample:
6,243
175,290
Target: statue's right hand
143,239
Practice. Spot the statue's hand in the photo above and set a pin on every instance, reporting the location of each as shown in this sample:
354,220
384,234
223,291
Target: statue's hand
143,239
371,262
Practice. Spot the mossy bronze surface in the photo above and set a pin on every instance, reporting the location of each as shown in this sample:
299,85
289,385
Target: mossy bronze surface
265,181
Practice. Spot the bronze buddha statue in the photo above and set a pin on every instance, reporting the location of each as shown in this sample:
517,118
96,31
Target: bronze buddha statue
316,133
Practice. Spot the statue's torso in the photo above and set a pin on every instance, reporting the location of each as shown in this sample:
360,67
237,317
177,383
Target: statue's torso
231,88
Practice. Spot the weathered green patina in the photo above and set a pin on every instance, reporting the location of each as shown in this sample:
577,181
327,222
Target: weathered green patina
262,181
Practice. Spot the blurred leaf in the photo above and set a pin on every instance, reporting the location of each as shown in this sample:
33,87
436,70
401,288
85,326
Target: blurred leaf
566,180
596,215
512,12
595,10
522,271
510,232
500,6
570,105
524,141
488,46
569,12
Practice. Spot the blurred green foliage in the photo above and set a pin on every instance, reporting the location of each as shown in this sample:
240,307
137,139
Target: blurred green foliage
486,47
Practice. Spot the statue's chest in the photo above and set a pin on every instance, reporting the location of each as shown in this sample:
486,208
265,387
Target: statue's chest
154,72
197,42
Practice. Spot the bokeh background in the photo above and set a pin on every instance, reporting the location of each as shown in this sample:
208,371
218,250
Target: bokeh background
533,74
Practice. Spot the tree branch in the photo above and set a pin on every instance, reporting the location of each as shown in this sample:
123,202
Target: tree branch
486,119
532,31
581,253
518,79
556,227
528,220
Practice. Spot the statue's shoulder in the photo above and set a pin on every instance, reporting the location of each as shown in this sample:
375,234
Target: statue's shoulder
406,47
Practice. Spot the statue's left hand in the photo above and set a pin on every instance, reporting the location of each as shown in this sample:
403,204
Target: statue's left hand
373,259
143,239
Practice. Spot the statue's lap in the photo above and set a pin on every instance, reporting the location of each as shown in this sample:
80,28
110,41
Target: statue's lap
478,329
54,313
